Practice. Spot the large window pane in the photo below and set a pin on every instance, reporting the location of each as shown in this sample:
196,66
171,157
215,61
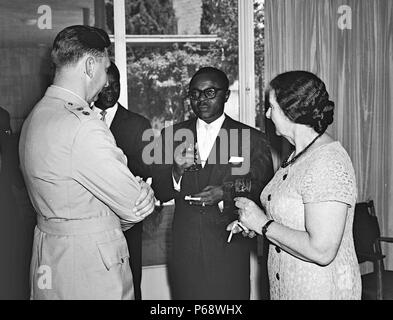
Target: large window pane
158,72
27,31
167,42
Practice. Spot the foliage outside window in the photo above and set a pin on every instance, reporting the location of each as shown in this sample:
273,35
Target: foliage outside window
158,76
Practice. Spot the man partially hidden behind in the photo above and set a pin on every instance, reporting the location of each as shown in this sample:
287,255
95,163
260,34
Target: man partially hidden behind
204,265
127,127
17,218
8,211
78,180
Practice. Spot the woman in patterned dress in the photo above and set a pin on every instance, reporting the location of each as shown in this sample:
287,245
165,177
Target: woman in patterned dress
309,204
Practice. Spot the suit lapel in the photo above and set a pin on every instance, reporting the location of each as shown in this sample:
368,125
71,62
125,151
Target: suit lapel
120,115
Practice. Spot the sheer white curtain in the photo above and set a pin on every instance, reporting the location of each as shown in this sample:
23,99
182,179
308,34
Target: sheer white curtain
356,63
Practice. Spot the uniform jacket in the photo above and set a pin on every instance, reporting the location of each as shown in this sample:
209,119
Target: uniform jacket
83,193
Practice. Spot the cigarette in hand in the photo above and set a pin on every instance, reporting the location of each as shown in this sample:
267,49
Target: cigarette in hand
231,234
245,229
230,237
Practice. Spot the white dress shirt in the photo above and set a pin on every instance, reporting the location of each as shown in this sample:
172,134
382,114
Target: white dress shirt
206,137
110,113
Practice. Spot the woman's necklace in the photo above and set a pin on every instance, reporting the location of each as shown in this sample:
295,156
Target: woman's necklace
286,163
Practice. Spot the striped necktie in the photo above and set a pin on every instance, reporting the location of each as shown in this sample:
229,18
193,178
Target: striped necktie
103,114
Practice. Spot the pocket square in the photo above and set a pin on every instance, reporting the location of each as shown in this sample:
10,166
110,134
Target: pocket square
236,160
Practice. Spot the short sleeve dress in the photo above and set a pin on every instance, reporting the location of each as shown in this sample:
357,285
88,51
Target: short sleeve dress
324,174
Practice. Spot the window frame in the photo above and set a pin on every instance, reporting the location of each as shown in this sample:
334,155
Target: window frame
247,112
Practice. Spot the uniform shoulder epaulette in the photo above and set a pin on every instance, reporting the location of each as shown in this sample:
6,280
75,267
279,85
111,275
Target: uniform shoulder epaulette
83,113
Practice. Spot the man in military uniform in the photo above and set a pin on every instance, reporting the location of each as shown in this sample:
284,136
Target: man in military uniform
127,128
78,180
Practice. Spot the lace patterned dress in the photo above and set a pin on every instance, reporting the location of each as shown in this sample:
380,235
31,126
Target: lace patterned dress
324,174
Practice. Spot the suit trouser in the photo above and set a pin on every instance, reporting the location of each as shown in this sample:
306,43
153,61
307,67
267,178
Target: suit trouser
134,242
200,273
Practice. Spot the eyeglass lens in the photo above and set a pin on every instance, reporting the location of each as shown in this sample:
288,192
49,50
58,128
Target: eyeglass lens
208,93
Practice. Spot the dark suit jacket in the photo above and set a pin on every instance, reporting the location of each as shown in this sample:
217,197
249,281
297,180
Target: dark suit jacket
127,127
17,221
199,233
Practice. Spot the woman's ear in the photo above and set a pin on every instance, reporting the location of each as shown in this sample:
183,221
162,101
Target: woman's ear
89,67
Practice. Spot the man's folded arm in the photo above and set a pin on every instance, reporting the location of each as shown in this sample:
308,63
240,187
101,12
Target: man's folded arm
101,167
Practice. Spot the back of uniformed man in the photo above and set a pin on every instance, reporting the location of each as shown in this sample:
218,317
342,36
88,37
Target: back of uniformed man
128,129
78,180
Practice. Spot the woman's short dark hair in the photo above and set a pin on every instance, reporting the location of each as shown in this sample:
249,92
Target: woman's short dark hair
73,42
303,98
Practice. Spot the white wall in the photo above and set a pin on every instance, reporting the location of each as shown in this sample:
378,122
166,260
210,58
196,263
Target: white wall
232,105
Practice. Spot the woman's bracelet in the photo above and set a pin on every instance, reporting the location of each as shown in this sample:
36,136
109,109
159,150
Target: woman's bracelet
265,226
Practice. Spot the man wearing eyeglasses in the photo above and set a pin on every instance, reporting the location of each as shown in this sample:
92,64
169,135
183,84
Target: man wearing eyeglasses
203,264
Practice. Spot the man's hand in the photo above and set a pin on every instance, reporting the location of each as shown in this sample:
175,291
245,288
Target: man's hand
210,196
184,158
144,205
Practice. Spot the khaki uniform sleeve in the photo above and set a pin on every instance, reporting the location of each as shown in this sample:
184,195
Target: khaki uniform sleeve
101,168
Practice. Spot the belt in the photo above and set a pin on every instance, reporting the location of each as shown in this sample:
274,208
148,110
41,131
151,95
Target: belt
78,227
